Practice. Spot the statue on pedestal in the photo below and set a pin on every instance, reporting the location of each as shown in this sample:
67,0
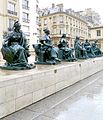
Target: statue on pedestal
80,51
15,50
96,49
89,49
65,53
46,53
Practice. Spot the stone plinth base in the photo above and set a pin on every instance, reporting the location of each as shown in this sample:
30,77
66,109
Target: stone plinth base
19,89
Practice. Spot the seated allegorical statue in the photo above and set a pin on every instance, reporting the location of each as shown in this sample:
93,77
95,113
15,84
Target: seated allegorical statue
80,51
96,49
15,50
89,49
65,53
46,53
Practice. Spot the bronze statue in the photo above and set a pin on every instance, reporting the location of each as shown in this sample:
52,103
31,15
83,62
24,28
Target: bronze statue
46,53
96,49
65,53
15,50
80,51
89,49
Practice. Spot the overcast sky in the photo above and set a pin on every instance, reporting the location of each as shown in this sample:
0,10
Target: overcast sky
77,5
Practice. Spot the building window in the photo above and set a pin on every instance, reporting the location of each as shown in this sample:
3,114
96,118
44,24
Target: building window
54,19
54,31
50,19
26,17
26,30
66,19
37,9
45,21
61,31
25,4
10,24
98,33
37,21
61,18
11,8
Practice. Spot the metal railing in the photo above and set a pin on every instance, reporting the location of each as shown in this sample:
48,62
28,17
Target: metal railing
25,7
12,12
26,20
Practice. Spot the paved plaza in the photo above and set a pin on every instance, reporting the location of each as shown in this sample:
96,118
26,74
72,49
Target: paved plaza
81,101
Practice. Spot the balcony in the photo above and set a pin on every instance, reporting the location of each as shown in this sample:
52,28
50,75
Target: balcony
25,7
25,20
12,12
45,24
54,22
61,22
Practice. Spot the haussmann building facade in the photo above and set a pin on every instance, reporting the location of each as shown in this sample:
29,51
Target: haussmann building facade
60,21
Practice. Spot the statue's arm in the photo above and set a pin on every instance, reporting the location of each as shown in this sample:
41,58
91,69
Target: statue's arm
24,42
7,40
43,41
47,44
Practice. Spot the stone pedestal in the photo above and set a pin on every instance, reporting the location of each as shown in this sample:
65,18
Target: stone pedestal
19,89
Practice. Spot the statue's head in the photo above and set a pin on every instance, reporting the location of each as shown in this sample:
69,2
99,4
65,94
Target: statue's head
64,36
46,31
77,38
96,41
86,40
17,25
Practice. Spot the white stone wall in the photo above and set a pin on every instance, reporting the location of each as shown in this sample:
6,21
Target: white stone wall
19,89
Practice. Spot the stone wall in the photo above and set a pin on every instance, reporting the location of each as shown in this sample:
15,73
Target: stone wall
19,89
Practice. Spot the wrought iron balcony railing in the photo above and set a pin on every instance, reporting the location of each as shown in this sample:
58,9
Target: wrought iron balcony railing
26,20
12,12
25,7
